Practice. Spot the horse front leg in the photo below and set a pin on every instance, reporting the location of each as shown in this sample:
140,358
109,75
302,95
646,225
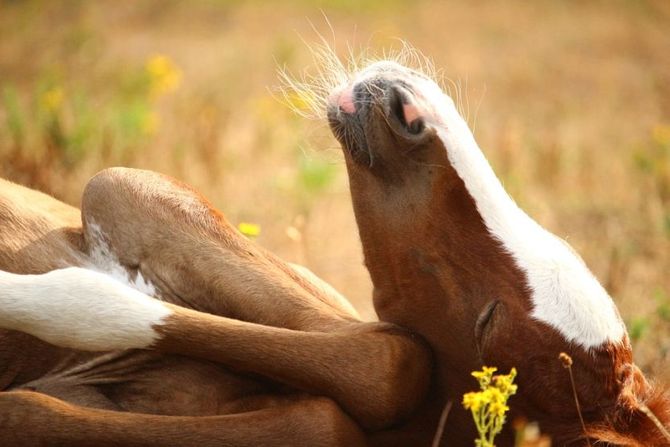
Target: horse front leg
172,235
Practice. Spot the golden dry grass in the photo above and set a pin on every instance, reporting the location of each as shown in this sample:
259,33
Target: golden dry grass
571,103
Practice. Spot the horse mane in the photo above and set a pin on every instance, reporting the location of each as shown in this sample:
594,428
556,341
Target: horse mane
640,417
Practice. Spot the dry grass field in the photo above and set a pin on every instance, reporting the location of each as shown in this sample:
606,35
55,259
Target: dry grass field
570,102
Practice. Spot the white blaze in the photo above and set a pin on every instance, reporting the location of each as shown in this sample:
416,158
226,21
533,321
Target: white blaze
565,294
79,308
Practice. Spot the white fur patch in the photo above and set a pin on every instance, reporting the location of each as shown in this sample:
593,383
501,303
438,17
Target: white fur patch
565,293
79,308
103,260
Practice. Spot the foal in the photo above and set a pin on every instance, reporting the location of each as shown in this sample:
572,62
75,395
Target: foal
242,345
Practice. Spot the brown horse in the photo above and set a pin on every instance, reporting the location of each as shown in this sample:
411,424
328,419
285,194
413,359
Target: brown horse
240,346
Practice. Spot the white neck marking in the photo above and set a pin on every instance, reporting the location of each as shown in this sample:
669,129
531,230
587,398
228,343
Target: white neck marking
565,294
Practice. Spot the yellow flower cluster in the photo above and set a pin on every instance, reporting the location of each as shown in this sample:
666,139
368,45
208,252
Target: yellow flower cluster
492,397
164,75
489,405
52,99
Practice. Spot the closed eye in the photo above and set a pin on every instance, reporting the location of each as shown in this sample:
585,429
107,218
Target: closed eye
481,326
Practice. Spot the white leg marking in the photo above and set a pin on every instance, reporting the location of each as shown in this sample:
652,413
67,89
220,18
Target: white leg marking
79,308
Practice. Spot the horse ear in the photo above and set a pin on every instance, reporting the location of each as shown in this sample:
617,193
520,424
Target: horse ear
641,417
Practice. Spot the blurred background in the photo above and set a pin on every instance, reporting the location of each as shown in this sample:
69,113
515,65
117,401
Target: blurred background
570,102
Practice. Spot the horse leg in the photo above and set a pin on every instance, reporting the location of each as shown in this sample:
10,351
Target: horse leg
374,370
173,236
29,419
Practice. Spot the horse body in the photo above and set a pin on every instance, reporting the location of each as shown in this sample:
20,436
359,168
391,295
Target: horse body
240,344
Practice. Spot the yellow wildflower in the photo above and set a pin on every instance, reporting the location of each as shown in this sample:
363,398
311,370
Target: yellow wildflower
52,99
473,401
504,383
484,376
489,406
661,134
164,75
487,371
494,395
498,409
249,229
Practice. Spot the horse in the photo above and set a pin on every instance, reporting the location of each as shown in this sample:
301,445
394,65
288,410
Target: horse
147,319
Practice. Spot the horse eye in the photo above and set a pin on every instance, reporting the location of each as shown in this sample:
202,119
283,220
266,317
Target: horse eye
481,326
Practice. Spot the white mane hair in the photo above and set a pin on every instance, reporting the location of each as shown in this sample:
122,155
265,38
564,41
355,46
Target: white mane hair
564,293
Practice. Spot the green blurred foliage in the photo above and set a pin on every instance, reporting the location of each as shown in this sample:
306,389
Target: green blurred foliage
638,327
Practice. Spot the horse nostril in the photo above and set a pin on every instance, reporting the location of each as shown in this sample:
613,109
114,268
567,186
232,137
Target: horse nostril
397,106
405,111
345,101
416,125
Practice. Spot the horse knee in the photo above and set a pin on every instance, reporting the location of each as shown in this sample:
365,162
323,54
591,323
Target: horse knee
110,214
148,203
133,212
